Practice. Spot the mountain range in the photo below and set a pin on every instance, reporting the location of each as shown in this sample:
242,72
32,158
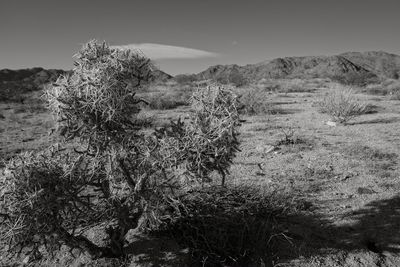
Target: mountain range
374,64
377,63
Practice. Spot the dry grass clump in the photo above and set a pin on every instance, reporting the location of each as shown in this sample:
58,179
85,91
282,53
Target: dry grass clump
386,87
294,86
293,143
165,102
353,78
165,97
341,104
233,226
172,99
255,102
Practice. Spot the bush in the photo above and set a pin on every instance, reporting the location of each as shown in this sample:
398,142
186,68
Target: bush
114,175
360,79
341,104
386,87
170,98
45,203
255,102
230,226
234,78
164,102
184,79
237,79
295,86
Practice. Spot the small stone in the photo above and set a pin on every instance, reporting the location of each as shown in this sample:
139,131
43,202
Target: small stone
364,190
268,149
26,260
331,123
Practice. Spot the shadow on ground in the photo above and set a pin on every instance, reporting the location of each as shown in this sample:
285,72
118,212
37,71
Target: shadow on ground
375,232
374,229
377,121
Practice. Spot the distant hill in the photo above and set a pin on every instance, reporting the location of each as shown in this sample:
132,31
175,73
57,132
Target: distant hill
15,83
159,75
34,76
372,63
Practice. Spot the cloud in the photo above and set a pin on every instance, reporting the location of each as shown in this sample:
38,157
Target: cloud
160,51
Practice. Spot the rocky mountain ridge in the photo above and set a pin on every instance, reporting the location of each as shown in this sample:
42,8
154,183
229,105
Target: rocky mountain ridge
374,63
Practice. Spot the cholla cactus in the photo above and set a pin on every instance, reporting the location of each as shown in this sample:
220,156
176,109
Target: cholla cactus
213,131
97,102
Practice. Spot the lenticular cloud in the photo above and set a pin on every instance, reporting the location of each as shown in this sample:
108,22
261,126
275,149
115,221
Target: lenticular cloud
160,51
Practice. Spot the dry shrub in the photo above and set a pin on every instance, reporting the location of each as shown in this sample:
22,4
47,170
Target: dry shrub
168,97
185,78
117,174
255,102
168,100
294,86
165,102
292,142
234,226
44,203
341,104
353,78
394,90
386,87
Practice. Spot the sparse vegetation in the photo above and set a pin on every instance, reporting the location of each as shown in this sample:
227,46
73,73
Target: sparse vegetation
352,78
294,86
237,79
292,141
386,87
341,104
255,102
148,184
170,98
185,79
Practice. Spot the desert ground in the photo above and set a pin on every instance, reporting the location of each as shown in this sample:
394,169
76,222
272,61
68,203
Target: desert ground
344,178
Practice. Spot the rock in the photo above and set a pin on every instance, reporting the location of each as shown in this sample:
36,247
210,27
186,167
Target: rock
364,190
268,149
331,123
26,260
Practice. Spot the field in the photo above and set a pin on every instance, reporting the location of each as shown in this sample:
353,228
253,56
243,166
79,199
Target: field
344,177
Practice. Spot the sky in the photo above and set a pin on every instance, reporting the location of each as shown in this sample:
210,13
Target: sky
187,36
